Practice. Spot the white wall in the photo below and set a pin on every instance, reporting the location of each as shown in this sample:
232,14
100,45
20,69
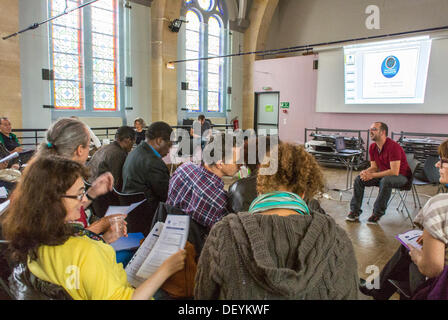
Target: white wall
34,56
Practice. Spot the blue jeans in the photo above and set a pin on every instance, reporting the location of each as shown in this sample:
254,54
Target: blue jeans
386,184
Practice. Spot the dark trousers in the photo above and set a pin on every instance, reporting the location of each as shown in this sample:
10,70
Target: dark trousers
400,268
386,184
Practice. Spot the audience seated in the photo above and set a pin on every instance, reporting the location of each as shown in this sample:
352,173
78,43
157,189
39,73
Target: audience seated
70,138
198,190
111,157
140,131
43,239
13,164
278,250
145,171
7,138
411,268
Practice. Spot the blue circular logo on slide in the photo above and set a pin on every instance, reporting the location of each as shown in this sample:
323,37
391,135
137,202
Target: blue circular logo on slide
390,66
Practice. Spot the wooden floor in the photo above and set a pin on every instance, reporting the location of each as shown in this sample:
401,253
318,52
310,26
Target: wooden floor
374,244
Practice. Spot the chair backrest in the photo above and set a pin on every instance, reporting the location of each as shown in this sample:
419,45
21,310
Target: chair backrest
103,202
139,219
430,170
413,164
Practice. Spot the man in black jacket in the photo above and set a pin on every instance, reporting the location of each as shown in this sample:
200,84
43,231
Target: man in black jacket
145,171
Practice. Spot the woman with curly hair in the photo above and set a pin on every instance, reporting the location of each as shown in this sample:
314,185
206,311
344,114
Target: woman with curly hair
278,250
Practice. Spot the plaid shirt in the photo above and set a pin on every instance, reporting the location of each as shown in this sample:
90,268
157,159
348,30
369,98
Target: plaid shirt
199,193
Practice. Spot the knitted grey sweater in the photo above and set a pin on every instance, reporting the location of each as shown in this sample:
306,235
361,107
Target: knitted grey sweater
272,257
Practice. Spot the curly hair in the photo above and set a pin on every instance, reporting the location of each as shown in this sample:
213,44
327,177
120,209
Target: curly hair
298,172
37,214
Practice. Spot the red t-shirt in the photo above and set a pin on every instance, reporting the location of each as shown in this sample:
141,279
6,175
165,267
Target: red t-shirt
391,151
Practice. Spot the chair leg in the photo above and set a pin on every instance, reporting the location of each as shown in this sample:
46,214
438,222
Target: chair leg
413,196
403,198
370,195
416,194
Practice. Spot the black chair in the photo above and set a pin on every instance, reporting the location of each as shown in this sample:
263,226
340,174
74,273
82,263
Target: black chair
432,175
102,203
5,271
139,219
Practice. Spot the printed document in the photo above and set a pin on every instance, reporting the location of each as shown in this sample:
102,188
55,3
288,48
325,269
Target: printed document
172,239
410,237
142,253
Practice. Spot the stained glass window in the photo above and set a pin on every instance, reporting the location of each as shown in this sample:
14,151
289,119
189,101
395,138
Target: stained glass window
84,47
214,65
192,52
204,38
104,52
67,55
206,4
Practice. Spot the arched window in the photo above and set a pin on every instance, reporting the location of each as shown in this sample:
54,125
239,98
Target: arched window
204,38
84,55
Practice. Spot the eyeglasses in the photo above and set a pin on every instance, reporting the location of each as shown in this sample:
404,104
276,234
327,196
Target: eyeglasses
373,129
78,197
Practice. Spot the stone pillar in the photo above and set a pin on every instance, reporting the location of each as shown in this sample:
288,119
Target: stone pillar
260,17
10,88
164,49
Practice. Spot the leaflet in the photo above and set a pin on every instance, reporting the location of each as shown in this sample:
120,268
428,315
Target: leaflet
10,157
142,253
3,193
410,238
4,206
122,209
173,238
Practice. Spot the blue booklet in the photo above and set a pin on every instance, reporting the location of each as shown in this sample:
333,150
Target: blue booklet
132,241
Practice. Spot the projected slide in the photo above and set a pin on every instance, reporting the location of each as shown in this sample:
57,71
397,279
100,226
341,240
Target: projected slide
387,73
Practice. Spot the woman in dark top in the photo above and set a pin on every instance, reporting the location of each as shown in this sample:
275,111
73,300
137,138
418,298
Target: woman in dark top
139,125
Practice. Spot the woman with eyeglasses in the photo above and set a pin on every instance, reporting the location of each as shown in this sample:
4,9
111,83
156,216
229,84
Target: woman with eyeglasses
412,267
39,226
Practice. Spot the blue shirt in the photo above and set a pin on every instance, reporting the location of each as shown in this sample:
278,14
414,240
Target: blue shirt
157,154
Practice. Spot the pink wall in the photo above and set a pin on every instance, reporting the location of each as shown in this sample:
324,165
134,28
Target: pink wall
296,81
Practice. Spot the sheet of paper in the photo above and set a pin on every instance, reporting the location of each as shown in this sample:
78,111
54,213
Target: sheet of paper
173,238
132,241
10,157
122,209
410,237
4,206
142,253
3,193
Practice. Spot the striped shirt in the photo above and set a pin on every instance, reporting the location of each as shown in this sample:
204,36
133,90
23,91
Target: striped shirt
434,219
199,193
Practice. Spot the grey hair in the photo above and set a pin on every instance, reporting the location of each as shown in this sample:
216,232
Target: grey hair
141,121
64,137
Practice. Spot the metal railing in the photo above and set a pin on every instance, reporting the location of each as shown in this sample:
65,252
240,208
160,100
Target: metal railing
31,138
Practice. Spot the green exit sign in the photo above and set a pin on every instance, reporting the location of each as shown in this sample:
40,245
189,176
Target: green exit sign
284,105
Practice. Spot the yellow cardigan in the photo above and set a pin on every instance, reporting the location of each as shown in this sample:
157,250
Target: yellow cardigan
86,268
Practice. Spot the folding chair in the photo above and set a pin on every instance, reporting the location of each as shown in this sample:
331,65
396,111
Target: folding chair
431,173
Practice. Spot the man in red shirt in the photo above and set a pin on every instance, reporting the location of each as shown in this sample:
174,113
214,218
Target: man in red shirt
388,169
